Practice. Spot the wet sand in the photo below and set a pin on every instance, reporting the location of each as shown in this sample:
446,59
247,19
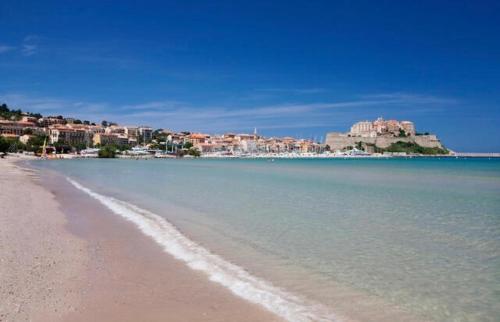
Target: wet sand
64,257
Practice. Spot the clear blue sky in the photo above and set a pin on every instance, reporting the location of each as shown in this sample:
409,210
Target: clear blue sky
298,68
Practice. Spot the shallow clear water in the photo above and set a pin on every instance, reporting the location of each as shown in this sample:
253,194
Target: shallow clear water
420,235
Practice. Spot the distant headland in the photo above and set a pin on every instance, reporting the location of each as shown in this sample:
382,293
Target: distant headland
381,136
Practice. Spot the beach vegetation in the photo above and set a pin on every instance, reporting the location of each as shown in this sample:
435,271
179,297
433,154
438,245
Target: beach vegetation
194,152
11,145
4,145
359,146
347,148
79,146
107,152
62,147
157,145
160,140
15,145
35,143
122,147
180,153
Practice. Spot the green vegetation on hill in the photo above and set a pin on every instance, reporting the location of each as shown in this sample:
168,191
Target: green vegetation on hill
400,146
11,114
410,147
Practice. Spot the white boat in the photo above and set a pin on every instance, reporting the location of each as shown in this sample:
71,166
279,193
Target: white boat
138,150
89,152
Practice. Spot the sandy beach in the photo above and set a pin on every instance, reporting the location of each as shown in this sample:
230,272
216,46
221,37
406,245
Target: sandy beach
66,258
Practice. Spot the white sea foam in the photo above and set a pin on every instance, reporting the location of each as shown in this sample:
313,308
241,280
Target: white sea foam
233,277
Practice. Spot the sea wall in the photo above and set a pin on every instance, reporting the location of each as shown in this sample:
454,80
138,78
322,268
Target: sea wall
339,141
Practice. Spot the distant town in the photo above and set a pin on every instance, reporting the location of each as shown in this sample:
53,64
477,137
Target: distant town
53,136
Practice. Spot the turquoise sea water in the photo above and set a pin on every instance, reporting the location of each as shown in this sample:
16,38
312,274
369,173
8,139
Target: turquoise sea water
419,236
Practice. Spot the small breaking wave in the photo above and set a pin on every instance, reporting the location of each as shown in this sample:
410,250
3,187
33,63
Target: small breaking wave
236,279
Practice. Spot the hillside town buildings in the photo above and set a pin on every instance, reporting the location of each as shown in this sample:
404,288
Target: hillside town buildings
69,136
17,128
370,136
101,139
74,133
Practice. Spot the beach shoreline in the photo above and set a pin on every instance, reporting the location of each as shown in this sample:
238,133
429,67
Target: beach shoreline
42,263
118,244
76,261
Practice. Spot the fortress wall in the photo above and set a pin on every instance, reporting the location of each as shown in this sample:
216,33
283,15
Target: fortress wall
339,141
428,141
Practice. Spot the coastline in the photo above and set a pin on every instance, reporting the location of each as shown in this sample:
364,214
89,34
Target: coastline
78,262
41,263
124,260
272,156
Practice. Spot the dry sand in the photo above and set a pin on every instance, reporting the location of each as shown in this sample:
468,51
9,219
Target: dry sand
63,257
40,263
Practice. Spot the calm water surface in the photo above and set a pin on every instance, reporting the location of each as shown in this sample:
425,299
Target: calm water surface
420,235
